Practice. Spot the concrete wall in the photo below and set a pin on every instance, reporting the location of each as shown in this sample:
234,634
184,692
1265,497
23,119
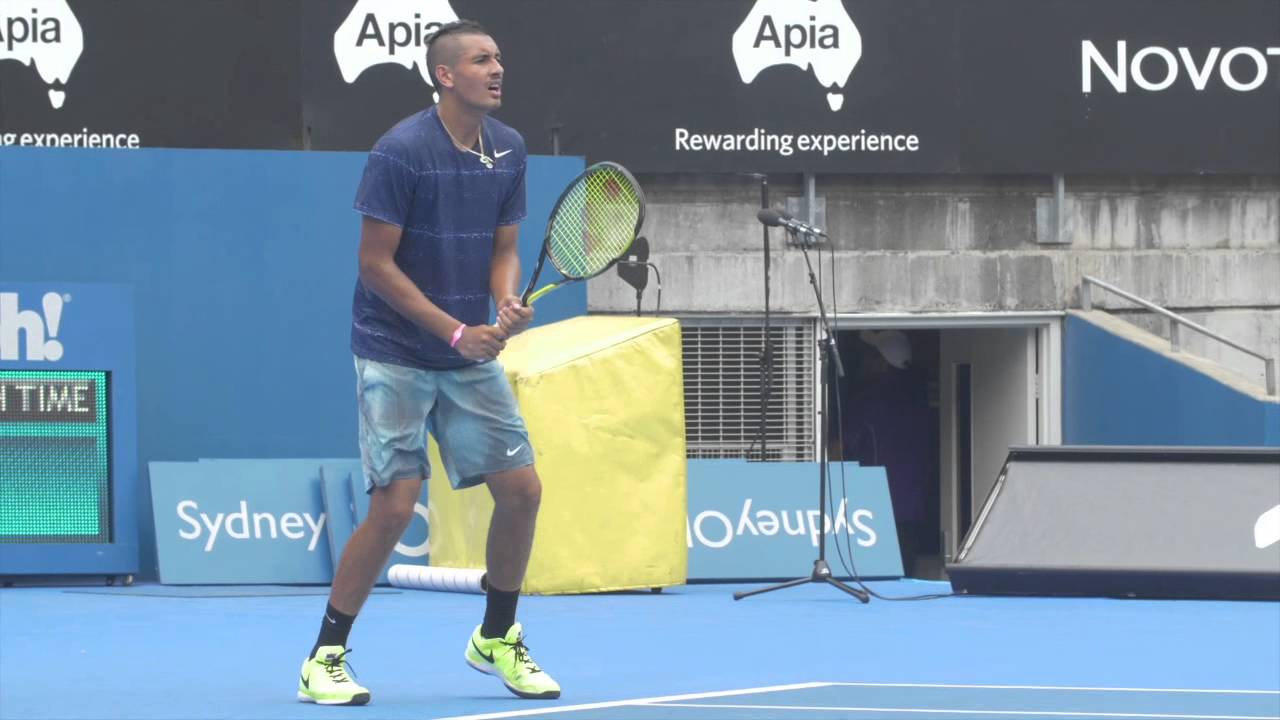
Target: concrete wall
1208,245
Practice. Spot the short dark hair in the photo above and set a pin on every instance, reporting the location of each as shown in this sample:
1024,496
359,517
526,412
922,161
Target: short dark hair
457,27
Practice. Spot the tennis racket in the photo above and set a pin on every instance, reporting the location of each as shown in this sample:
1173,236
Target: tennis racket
591,226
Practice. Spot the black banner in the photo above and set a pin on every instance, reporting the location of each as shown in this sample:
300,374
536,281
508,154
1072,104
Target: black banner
151,73
912,86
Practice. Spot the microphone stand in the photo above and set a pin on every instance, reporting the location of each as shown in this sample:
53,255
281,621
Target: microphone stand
830,358
766,355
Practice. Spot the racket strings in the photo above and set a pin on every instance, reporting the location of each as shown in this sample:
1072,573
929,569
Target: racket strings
595,223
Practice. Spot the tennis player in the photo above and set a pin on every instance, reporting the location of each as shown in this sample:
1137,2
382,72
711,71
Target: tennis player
442,194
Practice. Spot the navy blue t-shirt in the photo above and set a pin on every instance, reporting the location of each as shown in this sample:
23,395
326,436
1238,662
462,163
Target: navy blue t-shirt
448,205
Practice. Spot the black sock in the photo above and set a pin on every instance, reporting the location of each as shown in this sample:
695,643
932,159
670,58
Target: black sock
499,612
334,628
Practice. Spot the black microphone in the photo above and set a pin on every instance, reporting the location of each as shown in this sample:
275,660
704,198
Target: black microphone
777,218
633,267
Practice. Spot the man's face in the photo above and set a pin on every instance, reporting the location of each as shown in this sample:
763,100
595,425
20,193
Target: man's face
476,75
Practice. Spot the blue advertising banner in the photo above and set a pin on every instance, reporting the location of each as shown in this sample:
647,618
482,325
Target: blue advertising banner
68,429
750,520
347,504
268,521
240,521
263,521
339,506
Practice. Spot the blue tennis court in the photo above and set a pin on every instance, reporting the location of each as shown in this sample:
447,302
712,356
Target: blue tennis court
688,653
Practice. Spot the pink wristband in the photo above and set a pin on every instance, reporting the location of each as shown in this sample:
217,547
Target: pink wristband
457,335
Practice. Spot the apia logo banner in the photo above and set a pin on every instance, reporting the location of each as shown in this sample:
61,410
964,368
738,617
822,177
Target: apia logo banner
44,35
818,35
389,31
758,520
36,329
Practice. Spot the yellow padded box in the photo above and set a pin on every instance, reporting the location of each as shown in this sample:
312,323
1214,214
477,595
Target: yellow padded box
603,398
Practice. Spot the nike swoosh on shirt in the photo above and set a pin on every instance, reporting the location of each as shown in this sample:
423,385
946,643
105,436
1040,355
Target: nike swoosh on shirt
500,154
514,450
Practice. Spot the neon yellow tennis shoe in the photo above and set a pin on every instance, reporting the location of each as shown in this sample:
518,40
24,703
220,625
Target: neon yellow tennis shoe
508,659
324,679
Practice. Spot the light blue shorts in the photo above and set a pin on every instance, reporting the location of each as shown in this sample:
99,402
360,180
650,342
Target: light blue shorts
471,412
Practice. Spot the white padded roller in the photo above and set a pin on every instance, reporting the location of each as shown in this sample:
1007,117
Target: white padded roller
425,577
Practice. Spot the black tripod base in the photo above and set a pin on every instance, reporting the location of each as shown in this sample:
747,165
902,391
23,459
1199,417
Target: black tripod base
821,574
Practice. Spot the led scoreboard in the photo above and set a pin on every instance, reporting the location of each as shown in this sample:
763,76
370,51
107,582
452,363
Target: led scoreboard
55,476
68,431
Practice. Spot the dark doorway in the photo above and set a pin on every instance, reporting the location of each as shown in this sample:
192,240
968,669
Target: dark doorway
885,412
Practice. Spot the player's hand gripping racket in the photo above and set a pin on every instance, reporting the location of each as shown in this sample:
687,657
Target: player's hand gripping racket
592,225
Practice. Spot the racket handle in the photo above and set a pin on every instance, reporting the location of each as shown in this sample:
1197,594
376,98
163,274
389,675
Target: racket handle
530,299
524,300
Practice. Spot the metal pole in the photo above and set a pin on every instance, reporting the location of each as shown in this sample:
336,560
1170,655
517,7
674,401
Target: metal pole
766,358
1059,205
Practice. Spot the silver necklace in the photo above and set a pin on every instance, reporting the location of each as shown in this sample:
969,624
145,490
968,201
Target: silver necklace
484,159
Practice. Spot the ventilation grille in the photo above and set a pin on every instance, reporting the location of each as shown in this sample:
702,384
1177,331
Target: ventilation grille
722,389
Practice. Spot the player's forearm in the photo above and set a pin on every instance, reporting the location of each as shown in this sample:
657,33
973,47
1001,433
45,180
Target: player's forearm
389,282
504,276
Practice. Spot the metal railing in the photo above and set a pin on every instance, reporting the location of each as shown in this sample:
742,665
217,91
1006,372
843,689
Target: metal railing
1176,321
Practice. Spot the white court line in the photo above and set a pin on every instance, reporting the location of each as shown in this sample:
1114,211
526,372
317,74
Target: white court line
985,713
672,699
638,701
1060,687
